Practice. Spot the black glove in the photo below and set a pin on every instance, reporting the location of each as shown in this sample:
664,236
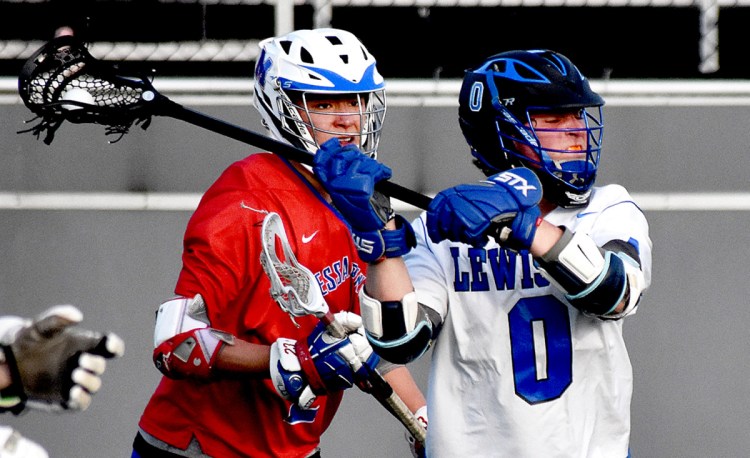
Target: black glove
53,365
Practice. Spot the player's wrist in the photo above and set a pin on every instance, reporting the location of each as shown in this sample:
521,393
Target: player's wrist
375,246
391,224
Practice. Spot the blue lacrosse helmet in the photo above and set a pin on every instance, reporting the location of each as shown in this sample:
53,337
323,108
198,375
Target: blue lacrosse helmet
317,62
496,102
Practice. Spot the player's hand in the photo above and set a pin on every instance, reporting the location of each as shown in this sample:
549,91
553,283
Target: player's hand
350,176
416,447
55,365
301,371
505,206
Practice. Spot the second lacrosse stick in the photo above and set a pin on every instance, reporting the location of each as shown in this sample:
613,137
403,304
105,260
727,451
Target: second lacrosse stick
295,289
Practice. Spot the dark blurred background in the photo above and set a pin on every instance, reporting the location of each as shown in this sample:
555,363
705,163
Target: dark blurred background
618,42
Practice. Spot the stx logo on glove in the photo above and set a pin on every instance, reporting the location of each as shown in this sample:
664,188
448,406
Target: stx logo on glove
517,182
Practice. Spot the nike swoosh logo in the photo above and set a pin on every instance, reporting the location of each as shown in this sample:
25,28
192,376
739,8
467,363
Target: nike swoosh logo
307,238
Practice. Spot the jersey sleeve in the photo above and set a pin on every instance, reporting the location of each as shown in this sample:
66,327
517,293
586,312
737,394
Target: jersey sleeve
426,271
618,217
220,247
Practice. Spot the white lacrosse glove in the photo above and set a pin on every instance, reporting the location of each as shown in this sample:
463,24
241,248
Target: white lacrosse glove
301,371
53,365
14,445
416,447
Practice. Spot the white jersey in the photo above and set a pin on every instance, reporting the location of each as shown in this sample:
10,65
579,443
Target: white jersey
516,371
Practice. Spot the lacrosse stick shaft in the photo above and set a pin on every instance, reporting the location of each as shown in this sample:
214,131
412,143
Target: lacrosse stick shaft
296,290
379,387
381,390
51,75
174,110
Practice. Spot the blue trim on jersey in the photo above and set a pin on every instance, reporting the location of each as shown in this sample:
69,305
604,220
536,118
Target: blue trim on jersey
623,202
306,182
339,84
316,193
635,245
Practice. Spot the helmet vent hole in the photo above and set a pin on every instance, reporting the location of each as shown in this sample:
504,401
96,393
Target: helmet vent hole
344,58
334,40
499,66
314,77
526,73
305,56
286,45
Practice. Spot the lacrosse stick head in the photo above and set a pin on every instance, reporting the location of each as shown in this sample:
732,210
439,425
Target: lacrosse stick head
293,286
62,81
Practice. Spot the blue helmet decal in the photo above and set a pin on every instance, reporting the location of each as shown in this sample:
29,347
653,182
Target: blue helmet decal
261,69
338,83
512,73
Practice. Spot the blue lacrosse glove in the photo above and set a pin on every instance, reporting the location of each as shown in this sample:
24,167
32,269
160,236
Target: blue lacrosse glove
505,206
373,246
350,177
323,364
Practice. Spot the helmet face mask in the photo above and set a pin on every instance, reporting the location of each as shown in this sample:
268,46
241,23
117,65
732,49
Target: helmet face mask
575,168
297,70
298,112
499,106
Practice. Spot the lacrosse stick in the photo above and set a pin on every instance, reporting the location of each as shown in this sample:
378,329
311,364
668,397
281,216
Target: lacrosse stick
295,289
62,81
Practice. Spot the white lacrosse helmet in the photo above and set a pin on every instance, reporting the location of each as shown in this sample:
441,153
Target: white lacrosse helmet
318,61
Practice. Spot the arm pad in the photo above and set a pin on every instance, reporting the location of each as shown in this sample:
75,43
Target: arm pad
184,344
179,315
595,280
399,331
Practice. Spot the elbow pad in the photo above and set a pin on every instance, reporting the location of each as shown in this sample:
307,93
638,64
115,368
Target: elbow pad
595,281
184,344
179,315
398,331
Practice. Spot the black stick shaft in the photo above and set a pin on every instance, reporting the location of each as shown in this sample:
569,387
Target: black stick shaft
381,390
177,111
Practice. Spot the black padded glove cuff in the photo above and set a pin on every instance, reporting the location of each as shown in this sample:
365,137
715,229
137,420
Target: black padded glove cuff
12,398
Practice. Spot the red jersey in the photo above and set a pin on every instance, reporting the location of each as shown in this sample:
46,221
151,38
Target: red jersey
245,416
